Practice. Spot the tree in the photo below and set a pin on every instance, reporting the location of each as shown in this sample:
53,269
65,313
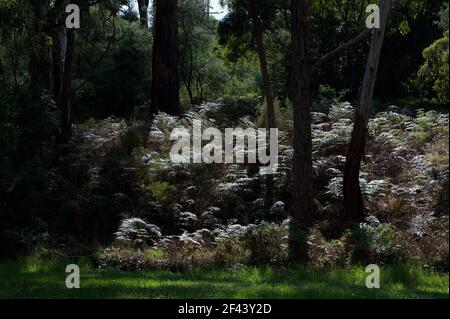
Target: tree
143,12
63,46
353,200
165,85
194,43
302,104
257,30
65,90
302,72
434,73
40,60
257,14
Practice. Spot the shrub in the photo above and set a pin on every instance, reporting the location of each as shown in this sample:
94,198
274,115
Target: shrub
374,242
163,192
264,242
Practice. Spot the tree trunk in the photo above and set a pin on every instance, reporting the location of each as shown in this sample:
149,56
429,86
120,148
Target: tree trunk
65,95
59,55
302,104
165,85
257,29
14,59
2,71
353,200
40,62
143,12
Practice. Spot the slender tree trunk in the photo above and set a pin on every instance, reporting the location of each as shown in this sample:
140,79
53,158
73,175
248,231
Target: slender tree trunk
65,95
353,200
59,41
2,71
143,12
257,29
59,55
189,90
40,61
165,85
302,104
14,59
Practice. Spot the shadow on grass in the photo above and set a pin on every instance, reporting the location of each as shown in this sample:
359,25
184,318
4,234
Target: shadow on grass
48,281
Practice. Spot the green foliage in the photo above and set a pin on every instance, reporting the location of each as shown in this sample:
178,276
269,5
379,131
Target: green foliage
113,66
264,242
162,191
443,17
373,242
201,69
435,71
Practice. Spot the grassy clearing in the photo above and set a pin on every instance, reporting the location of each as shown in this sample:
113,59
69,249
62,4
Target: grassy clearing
33,278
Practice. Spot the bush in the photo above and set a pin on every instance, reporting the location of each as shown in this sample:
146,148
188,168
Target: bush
163,192
435,70
265,243
374,242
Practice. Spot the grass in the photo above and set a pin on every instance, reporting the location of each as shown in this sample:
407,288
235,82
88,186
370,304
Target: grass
32,278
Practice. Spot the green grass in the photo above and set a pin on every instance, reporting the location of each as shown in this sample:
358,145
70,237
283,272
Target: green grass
32,278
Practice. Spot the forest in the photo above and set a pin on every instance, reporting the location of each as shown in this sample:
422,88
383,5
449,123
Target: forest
95,96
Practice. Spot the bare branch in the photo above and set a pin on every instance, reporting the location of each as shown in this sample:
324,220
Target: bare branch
341,49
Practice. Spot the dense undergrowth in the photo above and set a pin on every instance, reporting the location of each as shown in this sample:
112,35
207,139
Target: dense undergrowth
116,196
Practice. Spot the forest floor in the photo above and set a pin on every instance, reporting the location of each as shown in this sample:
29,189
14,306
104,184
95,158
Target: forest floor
31,278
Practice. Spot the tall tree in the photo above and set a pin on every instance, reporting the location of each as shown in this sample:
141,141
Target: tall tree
59,42
65,90
40,57
302,104
63,59
165,85
257,30
302,72
143,12
353,200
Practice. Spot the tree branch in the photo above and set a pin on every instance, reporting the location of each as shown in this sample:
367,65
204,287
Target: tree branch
341,49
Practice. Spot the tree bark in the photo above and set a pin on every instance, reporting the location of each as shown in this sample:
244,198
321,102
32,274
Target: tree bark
59,55
65,94
353,200
302,104
143,12
165,85
40,61
257,29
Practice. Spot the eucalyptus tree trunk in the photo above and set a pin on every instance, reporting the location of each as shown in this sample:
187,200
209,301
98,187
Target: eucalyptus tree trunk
143,12
302,104
165,85
353,200
65,93
63,55
59,39
40,57
257,30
